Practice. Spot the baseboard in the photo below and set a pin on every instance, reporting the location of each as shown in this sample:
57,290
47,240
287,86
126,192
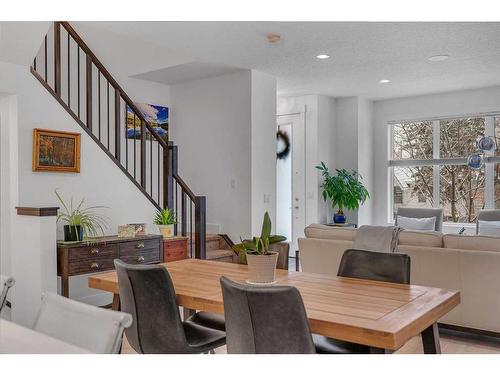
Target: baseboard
469,333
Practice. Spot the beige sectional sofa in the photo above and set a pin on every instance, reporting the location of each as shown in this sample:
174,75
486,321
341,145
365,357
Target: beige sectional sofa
470,264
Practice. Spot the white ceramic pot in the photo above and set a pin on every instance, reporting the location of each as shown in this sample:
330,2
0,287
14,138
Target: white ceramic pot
261,267
167,231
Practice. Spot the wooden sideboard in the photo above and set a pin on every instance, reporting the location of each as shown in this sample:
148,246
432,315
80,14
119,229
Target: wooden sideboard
85,257
175,248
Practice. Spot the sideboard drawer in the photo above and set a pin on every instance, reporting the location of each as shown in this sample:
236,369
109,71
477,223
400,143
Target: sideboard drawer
131,248
142,257
93,251
91,265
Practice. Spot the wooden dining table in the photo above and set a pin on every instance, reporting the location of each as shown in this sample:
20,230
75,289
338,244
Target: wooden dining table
381,315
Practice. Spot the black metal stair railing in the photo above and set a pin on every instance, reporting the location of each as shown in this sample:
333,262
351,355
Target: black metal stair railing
72,73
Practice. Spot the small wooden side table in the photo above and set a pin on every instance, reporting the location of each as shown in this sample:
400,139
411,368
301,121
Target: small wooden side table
175,248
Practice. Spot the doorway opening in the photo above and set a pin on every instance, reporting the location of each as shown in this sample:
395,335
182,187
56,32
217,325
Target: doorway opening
290,178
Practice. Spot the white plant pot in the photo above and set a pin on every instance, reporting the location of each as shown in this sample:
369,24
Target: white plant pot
167,231
261,268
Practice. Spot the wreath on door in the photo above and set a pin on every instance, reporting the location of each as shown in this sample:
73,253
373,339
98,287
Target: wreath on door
282,139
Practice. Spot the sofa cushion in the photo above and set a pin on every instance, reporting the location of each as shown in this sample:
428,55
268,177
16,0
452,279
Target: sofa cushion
455,241
330,233
416,238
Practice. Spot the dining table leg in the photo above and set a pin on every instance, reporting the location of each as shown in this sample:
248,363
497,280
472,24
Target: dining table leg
115,305
374,350
430,340
187,312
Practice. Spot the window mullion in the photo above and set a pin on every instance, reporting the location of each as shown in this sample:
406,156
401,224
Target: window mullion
489,169
436,155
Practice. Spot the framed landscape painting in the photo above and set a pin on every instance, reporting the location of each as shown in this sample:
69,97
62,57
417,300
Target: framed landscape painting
155,115
56,151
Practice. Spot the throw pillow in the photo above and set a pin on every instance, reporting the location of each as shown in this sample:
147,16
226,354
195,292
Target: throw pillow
425,224
489,228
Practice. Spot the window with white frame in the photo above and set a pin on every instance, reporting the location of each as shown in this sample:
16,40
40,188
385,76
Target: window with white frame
428,166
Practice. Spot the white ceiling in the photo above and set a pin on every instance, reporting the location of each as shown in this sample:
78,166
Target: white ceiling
186,72
362,53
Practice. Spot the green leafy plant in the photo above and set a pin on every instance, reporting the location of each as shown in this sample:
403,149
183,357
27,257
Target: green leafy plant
258,245
92,223
345,189
164,217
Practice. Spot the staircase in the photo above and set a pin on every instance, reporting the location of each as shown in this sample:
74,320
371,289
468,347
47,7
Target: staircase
218,249
69,70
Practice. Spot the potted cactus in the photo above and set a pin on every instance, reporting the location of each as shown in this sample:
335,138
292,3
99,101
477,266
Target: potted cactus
165,220
255,252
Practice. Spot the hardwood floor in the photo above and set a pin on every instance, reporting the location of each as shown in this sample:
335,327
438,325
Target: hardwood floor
449,345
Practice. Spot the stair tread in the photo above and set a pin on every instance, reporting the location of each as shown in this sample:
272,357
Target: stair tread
219,253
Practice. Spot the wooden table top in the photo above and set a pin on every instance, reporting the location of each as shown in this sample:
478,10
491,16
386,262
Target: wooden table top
378,314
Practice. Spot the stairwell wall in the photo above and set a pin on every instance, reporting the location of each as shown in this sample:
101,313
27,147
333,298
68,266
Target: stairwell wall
100,182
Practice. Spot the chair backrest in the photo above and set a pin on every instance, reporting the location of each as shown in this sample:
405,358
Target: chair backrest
93,328
6,282
265,320
371,265
283,249
419,213
487,215
148,294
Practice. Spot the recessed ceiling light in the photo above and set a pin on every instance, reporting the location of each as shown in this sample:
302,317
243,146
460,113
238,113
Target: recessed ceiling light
323,56
438,58
384,81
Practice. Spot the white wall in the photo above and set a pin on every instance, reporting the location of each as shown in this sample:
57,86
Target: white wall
354,148
225,129
100,182
418,107
213,129
263,88
8,178
365,157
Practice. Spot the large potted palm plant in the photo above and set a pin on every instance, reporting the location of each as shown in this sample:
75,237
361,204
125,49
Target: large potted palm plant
255,252
345,190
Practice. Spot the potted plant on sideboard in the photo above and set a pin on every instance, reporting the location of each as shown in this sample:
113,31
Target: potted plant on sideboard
345,190
165,220
255,252
80,220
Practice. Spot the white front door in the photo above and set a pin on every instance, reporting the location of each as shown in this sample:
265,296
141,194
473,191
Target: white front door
291,208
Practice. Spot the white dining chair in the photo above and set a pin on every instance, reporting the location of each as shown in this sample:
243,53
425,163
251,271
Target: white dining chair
6,282
93,328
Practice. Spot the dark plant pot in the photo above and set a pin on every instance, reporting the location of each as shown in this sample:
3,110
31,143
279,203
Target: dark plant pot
73,233
339,218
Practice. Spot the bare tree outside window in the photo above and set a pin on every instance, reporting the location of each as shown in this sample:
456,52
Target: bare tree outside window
461,189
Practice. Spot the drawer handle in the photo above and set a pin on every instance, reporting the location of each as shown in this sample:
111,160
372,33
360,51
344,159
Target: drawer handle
140,245
94,251
95,266
140,259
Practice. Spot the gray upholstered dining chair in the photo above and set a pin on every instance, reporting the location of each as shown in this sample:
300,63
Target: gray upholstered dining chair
419,213
6,282
368,265
486,215
265,320
148,294
90,327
